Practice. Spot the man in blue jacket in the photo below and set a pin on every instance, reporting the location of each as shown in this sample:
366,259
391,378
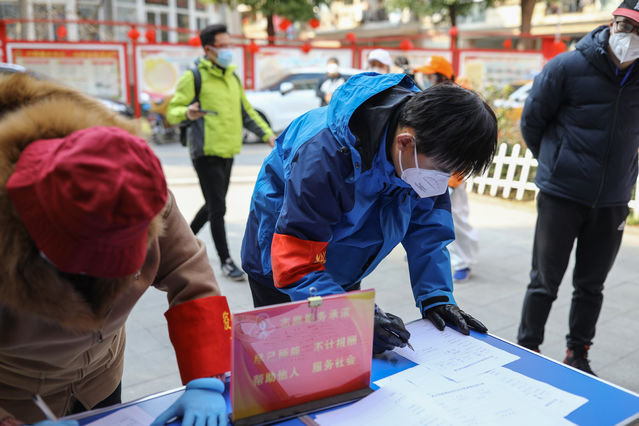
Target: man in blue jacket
348,182
581,122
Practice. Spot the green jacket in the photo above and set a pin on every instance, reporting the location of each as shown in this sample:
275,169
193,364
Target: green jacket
221,91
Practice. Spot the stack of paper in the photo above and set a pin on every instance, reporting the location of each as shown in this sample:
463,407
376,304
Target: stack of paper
459,380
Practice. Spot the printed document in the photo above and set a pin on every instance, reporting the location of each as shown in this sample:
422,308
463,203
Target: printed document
459,380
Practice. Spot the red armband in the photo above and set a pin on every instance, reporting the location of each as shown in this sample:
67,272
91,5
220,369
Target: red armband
200,331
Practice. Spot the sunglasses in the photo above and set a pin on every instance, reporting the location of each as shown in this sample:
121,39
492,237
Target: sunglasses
623,26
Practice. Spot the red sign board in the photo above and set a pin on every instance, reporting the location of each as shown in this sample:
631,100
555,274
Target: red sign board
294,353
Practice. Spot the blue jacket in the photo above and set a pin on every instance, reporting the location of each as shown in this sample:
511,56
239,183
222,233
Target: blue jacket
328,205
581,122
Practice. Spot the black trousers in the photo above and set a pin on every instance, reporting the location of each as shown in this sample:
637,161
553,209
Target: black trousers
114,398
214,174
598,232
265,294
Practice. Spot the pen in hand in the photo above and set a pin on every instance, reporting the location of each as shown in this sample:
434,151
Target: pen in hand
37,399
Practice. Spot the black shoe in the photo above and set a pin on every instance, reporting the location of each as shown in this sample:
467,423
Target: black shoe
231,271
578,358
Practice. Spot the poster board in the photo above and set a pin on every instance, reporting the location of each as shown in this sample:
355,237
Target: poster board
98,69
159,66
498,68
293,353
273,63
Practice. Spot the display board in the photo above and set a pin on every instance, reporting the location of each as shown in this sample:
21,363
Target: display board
98,69
273,63
159,66
498,68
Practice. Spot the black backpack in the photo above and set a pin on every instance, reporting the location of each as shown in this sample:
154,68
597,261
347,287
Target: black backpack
197,82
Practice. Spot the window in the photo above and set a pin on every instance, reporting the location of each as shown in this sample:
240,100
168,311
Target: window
46,31
159,19
10,10
183,22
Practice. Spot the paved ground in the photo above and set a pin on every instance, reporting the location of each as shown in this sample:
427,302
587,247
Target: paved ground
494,294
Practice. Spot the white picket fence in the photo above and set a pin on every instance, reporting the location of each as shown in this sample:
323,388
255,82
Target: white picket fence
519,176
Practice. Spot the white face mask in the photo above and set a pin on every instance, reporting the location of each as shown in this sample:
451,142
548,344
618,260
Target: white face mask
379,70
332,68
426,183
625,46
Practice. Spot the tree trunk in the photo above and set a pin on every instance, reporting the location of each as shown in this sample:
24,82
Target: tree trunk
270,28
527,9
452,12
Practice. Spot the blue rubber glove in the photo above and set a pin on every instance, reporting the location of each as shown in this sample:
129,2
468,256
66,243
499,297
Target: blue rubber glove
58,423
201,404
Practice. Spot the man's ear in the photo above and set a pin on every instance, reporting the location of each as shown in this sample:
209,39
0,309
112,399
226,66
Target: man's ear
404,141
612,21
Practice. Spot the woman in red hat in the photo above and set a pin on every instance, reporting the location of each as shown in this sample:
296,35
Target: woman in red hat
87,226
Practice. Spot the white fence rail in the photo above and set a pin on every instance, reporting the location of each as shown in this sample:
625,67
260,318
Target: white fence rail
515,171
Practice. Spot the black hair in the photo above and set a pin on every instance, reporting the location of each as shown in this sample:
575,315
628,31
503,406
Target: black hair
441,78
453,126
401,61
332,59
207,35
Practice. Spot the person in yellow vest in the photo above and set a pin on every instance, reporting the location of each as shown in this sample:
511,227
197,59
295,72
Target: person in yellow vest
214,136
463,250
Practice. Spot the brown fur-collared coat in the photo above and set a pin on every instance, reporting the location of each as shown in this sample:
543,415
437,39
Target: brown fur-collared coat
57,339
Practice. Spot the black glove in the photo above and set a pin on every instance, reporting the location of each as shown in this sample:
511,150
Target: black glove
440,315
389,332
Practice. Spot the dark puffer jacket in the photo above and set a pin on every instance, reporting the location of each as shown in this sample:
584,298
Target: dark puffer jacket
581,122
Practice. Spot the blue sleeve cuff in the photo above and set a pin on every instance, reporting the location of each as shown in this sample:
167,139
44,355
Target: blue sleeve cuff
435,298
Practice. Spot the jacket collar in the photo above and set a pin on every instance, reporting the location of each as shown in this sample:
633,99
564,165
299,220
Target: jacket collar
204,64
378,96
594,47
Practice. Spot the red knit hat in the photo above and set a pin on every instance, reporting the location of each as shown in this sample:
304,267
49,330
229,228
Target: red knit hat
87,199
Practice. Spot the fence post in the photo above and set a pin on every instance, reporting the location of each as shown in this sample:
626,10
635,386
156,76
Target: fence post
523,178
499,160
510,173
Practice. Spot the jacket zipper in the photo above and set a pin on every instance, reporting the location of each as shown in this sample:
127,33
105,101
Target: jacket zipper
605,166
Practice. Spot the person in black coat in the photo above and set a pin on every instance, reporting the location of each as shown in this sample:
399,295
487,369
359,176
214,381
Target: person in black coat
581,122
329,82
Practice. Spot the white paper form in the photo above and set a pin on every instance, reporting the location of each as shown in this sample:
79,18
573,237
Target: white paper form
550,399
385,406
439,401
450,353
130,416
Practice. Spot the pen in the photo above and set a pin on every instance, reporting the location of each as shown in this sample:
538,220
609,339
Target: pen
37,399
400,337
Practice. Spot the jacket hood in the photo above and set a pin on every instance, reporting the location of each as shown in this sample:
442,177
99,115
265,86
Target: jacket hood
594,47
31,110
368,102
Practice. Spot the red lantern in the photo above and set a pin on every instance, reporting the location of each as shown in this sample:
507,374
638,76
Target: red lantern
149,34
61,31
508,44
406,44
253,48
306,47
195,41
314,23
453,31
133,34
351,37
558,47
284,24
